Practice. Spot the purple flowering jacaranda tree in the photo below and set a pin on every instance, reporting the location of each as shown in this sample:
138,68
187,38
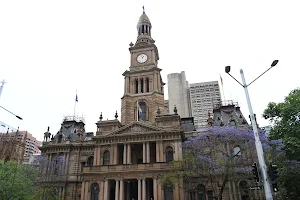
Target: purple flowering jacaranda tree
216,157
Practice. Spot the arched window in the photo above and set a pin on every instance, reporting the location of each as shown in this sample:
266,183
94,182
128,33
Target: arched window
201,192
169,154
244,190
142,111
168,192
90,161
94,191
106,158
237,151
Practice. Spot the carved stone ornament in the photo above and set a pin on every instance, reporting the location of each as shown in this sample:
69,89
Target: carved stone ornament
136,128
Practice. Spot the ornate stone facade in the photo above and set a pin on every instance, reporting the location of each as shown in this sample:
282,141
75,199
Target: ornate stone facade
125,159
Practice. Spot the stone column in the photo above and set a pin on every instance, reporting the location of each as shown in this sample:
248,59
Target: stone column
121,189
145,85
144,188
125,154
155,81
139,85
106,190
155,189
176,151
86,192
82,190
148,152
159,192
117,190
115,154
101,190
139,189
128,154
150,85
161,151
95,156
144,153
157,152
67,163
132,89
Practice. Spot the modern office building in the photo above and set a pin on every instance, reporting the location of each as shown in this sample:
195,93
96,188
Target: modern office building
178,94
32,144
203,98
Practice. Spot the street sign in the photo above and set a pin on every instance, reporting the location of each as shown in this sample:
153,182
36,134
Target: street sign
260,187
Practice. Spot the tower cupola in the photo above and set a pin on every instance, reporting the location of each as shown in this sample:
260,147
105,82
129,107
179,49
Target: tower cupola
144,30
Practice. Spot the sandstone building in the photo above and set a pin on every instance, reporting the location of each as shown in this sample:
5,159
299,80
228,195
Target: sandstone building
125,159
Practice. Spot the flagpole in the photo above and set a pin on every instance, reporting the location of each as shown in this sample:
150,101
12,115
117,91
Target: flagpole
76,99
222,87
137,110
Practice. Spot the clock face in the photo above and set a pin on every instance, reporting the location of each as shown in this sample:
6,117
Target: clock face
142,58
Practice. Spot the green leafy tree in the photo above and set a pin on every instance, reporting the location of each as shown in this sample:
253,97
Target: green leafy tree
285,118
16,181
20,181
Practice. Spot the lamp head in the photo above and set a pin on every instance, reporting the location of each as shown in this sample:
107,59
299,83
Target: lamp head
274,63
227,69
20,118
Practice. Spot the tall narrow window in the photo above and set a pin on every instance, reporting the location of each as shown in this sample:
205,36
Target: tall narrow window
142,85
169,154
106,158
136,86
90,161
142,111
146,28
201,192
168,192
143,29
147,85
94,191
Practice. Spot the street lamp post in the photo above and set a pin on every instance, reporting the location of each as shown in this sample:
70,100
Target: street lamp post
17,116
259,149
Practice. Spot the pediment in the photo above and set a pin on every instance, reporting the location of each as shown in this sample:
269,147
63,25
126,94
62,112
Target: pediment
136,128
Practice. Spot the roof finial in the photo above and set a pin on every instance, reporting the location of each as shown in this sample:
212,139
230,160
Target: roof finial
143,9
116,115
101,117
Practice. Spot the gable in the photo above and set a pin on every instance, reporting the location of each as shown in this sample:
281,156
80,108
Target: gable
136,128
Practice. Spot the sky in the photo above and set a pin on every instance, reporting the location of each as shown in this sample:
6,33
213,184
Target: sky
50,49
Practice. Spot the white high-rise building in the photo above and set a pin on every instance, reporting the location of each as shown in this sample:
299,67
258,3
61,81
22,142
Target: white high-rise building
178,93
203,97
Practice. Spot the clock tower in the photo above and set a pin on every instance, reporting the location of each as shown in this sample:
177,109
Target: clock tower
144,88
